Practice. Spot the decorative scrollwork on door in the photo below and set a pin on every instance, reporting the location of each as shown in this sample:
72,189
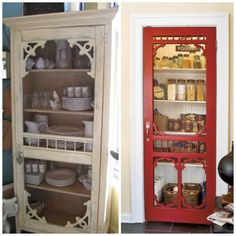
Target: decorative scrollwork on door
86,49
31,214
82,222
28,49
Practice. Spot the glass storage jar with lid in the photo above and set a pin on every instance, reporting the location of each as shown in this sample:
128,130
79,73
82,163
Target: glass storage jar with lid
174,64
190,90
203,61
170,62
164,63
186,61
181,90
180,60
171,89
200,87
196,62
156,62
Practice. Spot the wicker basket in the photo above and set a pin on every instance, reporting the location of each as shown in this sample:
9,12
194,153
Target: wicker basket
169,194
191,192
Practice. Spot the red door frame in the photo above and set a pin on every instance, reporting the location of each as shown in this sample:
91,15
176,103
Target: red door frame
179,214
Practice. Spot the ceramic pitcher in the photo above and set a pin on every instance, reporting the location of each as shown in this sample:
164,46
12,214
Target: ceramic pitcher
88,132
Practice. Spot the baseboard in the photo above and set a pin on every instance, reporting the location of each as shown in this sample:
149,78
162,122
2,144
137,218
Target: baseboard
126,218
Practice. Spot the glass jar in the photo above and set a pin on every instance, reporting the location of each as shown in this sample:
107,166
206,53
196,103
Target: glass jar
180,60
156,62
171,89
190,90
170,125
181,90
203,61
164,63
200,87
188,125
170,62
196,62
182,122
200,122
176,125
174,64
191,56
186,61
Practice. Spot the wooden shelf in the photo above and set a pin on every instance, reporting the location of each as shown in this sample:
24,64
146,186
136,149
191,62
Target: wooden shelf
181,133
186,164
177,101
76,189
179,70
86,112
58,70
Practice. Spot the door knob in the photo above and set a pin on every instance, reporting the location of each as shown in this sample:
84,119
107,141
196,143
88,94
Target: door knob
147,130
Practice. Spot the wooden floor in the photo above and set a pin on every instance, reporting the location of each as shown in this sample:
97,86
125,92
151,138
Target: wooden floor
165,227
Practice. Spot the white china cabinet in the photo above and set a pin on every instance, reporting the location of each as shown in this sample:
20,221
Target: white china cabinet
61,69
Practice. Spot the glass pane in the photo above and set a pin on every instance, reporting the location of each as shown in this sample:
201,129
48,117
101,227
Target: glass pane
58,94
193,183
179,81
165,182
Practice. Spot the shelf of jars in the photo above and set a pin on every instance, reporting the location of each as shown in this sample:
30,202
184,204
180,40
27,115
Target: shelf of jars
179,70
76,189
179,101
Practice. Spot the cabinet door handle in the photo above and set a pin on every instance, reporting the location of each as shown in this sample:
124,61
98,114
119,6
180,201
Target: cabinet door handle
20,158
147,130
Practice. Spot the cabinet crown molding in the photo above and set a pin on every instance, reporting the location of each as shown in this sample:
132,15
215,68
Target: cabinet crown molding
52,20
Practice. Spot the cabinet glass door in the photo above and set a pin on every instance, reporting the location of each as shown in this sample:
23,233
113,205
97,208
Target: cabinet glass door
179,122
61,129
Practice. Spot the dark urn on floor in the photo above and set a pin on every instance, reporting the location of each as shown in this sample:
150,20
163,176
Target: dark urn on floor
226,167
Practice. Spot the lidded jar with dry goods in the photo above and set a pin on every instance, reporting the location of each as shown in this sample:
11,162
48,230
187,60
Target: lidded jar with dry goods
200,87
190,90
171,89
164,63
181,90
186,61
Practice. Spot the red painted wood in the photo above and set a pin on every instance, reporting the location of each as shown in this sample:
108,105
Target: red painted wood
180,213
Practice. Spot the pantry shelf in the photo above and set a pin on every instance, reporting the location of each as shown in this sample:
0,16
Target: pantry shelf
183,102
186,164
179,70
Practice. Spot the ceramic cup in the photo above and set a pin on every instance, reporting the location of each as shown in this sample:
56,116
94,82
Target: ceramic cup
70,92
78,92
86,92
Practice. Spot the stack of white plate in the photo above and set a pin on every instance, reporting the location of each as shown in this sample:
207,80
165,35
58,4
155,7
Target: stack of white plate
76,104
65,130
60,177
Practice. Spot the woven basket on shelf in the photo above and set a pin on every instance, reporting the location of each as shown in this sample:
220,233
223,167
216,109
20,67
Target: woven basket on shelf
191,192
169,194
